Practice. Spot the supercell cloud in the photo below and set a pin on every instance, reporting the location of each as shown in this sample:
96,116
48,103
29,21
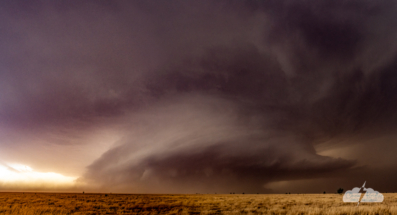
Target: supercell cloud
201,96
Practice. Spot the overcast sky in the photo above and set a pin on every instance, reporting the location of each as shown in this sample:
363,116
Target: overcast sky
187,96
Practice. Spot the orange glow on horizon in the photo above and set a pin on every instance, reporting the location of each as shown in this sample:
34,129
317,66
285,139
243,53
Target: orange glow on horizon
17,176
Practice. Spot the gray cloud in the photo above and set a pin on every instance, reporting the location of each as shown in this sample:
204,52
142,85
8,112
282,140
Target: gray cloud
203,143
226,96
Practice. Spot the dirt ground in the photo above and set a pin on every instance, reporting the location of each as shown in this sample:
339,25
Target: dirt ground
62,203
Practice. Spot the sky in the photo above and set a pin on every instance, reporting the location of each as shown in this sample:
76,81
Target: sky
184,96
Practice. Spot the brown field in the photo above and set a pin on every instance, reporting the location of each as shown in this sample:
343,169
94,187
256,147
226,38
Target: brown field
56,203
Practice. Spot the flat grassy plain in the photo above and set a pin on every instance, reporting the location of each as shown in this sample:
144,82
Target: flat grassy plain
69,203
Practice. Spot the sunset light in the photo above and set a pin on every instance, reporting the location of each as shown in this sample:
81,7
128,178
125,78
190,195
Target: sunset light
22,176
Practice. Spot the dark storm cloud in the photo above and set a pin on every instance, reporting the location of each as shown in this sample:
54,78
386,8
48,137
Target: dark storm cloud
206,143
210,96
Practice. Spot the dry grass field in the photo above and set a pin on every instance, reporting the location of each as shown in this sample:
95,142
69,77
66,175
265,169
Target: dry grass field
56,203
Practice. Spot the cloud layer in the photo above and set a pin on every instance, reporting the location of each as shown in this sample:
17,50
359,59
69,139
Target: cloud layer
226,96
